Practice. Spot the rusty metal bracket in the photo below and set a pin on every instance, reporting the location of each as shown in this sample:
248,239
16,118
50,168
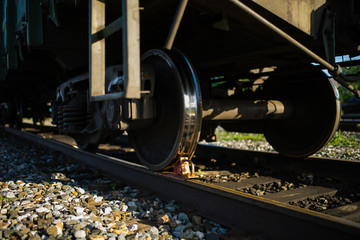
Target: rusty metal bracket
183,169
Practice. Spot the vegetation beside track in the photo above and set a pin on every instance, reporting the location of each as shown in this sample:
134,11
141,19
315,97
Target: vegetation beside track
341,139
344,93
223,135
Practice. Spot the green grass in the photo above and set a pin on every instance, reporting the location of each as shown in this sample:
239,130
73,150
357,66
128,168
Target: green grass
344,93
5,199
113,186
230,136
340,140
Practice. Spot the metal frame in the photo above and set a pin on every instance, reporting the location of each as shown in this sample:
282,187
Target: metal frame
334,70
11,53
175,25
129,22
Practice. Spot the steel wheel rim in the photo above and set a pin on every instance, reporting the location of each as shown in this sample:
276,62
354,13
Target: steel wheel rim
324,111
176,132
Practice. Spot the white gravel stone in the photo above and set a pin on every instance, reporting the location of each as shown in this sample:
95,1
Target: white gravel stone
77,217
133,227
18,227
80,234
56,213
80,190
59,231
98,199
98,225
42,209
79,210
10,195
107,210
34,216
20,218
121,237
154,232
124,208
25,202
58,207
199,234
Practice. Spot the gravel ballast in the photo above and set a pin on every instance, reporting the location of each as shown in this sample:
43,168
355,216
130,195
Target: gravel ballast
45,196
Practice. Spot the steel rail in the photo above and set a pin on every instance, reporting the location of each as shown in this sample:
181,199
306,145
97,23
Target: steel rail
40,127
348,124
231,208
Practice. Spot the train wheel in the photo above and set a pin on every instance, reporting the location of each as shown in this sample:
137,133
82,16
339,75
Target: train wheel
90,140
316,114
176,128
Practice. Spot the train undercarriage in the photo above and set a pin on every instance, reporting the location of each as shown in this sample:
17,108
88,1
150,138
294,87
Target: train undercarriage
172,116
225,68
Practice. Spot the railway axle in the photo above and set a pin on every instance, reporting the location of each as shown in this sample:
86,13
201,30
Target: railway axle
220,110
212,111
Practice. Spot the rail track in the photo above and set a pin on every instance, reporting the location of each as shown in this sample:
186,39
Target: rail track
350,122
227,203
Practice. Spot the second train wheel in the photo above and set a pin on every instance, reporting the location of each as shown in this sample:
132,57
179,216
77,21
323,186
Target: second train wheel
16,109
86,142
175,130
91,138
316,113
